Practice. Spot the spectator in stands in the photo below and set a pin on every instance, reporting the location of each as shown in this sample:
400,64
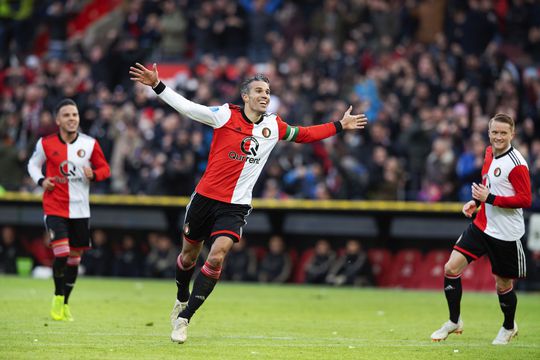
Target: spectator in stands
351,268
241,263
469,165
58,14
39,249
276,265
440,165
161,260
260,25
317,268
8,251
11,164
98,260
173,32
424,83
127,262
16,29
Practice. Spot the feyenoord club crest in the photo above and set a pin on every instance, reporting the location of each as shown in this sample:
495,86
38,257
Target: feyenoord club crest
266,132
81,153
497,172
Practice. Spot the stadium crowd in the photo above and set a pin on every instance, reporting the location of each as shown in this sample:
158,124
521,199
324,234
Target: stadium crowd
154,255
429,74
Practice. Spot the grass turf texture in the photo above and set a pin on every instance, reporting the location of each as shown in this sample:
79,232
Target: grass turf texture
129,319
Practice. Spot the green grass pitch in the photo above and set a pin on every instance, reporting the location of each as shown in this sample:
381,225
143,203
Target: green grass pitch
129,319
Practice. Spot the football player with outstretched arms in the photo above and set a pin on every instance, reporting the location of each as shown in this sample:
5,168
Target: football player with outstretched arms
243,138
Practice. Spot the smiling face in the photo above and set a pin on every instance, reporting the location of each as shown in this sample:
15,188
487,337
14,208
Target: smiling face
500,136
258,97
67,119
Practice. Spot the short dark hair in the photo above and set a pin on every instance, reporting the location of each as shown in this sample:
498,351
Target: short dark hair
503,118
62,103
244,88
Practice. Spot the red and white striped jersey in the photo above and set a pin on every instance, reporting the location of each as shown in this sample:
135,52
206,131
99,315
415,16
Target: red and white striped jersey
64,164
240,148
508,180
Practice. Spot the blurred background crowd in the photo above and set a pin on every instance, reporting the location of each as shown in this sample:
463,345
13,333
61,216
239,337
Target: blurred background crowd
279,259
154,254
428,73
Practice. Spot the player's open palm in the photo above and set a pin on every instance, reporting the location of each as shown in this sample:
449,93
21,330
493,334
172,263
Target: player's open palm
351,122
143,75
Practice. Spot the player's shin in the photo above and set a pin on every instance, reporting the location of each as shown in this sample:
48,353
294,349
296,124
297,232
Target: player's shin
453,292
70,276
202,287
508,303
183,277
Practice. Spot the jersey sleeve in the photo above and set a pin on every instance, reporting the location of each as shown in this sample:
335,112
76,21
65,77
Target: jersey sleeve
307,134
215,116
36,162
521,181
100,166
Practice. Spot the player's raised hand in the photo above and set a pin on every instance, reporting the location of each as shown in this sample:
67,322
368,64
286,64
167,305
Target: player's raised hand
351,122
143,75
469,208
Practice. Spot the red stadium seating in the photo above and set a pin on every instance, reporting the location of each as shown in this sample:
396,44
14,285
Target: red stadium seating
293,255
381,261
486,280
299,273
477,276
93,11
431,272
404,268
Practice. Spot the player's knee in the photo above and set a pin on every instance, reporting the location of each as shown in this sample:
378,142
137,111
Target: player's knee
503,285
451,269
186,260
216,260
60,248
73,260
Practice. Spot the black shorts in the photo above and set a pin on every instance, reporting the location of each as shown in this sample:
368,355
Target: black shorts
76,230
507,257
208,218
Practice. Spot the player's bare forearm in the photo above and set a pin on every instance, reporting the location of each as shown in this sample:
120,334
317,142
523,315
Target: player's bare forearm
353,122
143,75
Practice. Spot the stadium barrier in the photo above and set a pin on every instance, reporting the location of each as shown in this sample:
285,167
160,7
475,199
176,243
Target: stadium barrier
380,221
388,229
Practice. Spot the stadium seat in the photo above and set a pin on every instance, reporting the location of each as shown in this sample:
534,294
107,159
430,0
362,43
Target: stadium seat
260,252
477,276
403,272
431,271
293,255
299,271
486,280
381,261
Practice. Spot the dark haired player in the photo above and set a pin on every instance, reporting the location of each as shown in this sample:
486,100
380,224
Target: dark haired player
243,138
72,161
